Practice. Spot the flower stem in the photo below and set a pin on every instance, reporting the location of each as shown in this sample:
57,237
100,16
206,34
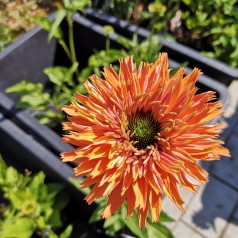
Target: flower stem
71,42
107,43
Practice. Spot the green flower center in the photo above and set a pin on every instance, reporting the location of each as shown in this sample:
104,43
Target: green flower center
143,129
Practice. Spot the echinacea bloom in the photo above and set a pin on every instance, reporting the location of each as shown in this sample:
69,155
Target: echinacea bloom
140,133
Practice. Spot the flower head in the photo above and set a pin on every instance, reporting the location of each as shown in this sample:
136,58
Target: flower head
140,133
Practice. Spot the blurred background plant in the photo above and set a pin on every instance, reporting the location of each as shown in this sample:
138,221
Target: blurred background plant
152,14
30,207
16,17
211,27
208,26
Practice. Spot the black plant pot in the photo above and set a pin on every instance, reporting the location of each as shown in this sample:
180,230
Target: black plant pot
26,58
179,52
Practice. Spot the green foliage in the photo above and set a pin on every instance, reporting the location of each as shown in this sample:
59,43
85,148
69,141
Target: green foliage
34,98
59,17
117,223
119,8
16,17
156,13
146,51
47,104
214,22
76,5
208,26
6,36
47,24
32,205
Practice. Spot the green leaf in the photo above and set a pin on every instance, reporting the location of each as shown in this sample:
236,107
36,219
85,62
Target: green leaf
113,224
32,95
104,58
40,223
34,100
123,210
96,214
51,234
234,54
55,219
36,183
81,89
84,74
124,41
55,187
48,213
97,71
60,15
147,50
56,74
61,201
158,230
12,177
59,74
67,232
165,218
66,3
18,228
54,190
46,24
76,182
43,120
77,5
3,169
17,198
132,225
24,87
190,3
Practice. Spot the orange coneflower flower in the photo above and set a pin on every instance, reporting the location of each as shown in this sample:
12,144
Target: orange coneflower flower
140,134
